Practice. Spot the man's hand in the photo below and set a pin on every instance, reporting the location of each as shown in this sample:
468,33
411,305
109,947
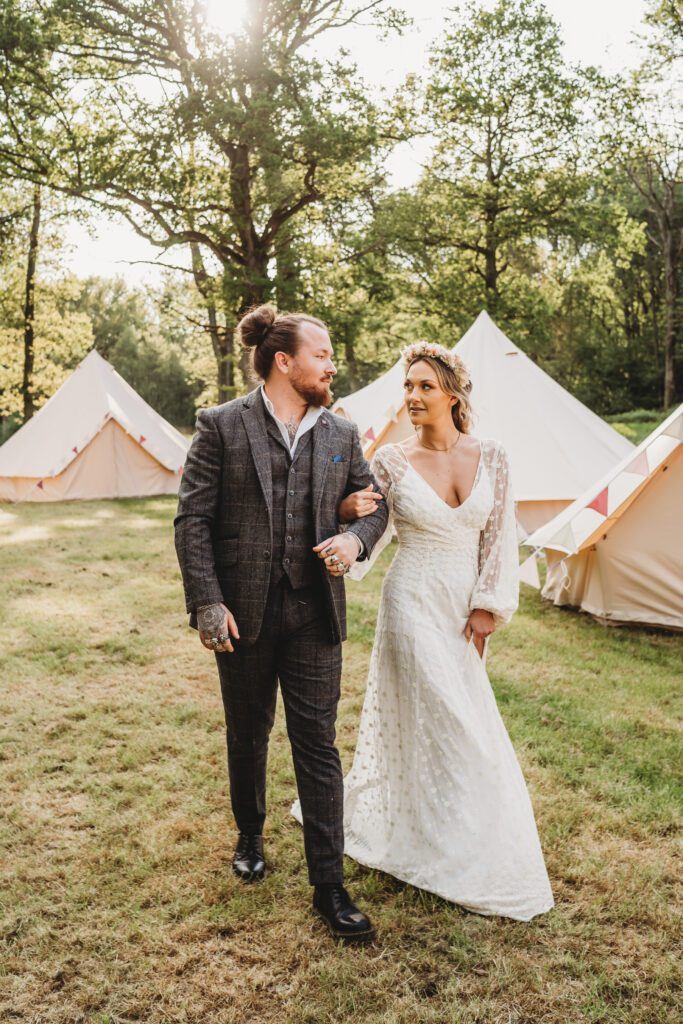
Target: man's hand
359,504
480,625
215,622
339,553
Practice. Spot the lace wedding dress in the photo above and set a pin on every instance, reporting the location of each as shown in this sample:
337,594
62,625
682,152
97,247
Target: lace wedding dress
435,795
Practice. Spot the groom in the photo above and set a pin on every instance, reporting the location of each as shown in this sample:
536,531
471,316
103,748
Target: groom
263,562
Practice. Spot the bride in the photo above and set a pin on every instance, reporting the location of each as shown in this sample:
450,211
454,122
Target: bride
435,795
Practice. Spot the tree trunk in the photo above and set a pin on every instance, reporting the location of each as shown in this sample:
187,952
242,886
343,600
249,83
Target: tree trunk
256,291
670,297
29,307
288,274
222,344
221,338
351,361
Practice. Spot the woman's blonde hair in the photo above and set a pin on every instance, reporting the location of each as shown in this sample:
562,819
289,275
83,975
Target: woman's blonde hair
452,375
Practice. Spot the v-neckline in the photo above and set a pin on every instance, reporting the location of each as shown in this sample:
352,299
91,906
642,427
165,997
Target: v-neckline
452,508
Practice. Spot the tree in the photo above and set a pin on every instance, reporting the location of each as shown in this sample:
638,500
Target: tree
218,144
504,112
665,18
643,139
154,352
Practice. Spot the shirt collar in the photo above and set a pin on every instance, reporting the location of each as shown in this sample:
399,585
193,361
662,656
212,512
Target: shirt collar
310,418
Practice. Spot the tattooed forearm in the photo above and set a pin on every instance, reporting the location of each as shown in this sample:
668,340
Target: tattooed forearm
210,618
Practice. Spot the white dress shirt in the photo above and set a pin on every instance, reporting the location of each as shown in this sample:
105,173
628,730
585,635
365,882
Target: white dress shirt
310,418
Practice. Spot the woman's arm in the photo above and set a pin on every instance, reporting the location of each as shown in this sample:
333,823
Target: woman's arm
497,588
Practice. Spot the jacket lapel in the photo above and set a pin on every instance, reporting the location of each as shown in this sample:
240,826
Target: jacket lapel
254,417
323,434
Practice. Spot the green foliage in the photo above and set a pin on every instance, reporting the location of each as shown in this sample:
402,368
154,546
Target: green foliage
63,336
553,196
150,342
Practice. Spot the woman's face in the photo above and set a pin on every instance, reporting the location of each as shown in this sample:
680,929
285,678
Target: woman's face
424,398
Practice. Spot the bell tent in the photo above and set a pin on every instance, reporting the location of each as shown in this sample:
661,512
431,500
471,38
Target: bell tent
617,551
557,446
95,438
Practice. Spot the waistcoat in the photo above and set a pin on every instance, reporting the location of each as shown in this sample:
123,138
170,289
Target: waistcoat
293,527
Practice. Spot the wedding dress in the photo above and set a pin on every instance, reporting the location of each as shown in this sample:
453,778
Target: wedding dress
435,795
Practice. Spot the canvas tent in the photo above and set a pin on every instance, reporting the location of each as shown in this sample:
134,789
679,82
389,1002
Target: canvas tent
617,551
557,447
95,438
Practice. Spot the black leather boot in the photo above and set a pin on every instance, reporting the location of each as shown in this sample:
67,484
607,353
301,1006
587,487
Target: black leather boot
247,862
343,919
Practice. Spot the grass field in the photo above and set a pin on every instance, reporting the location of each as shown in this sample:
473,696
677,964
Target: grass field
638,423
117,900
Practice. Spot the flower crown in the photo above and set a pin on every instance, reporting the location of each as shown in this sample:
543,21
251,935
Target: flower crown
419,349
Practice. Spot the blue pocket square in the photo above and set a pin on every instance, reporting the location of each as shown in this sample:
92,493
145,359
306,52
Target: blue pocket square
339,458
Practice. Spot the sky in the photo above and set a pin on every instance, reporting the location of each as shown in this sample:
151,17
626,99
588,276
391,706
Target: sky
599,32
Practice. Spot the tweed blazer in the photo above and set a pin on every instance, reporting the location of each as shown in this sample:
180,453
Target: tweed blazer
224,529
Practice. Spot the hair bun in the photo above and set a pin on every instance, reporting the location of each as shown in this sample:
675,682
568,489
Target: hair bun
254,325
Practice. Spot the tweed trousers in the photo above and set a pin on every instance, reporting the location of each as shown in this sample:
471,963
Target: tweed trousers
293,647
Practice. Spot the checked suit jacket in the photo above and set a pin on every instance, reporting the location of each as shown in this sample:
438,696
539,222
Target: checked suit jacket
224,528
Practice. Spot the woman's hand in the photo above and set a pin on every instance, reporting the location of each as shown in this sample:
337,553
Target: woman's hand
480,625
359,504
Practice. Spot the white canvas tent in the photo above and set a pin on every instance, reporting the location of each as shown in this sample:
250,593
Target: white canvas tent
95,438
617,551
557,446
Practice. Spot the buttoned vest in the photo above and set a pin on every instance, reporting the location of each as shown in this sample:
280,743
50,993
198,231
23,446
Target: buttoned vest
293,527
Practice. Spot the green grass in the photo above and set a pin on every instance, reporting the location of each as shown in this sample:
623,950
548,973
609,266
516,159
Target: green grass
636,424
115,835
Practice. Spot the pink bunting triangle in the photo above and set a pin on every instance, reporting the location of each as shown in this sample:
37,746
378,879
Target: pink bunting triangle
675,429
142,438
370,434
40,484
600,503
639,465
75,449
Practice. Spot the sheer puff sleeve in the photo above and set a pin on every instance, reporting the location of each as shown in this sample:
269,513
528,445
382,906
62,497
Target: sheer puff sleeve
497,588
381,468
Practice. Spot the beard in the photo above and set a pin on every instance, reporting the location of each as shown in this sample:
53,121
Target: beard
317,395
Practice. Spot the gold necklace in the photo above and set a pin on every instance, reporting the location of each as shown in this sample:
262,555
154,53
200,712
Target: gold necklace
431,447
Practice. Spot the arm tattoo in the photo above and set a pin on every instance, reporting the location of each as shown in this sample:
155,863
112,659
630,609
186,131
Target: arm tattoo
210,618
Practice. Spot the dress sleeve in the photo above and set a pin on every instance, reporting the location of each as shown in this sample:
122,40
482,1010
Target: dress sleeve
380,467
497,588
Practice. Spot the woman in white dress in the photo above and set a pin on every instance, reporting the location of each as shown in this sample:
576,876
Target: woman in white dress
435,795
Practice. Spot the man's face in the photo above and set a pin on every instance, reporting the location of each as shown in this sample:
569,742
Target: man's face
311,370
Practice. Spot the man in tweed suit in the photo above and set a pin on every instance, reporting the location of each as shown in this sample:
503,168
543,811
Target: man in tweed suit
263,561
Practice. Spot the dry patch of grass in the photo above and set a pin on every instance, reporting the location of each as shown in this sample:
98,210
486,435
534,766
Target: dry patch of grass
117,900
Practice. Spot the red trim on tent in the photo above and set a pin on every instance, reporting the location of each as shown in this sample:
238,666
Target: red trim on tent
600,503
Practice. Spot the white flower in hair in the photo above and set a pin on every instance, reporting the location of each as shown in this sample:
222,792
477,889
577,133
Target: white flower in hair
444,355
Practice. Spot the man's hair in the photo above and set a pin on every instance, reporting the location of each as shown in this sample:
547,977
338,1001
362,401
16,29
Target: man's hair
266,331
